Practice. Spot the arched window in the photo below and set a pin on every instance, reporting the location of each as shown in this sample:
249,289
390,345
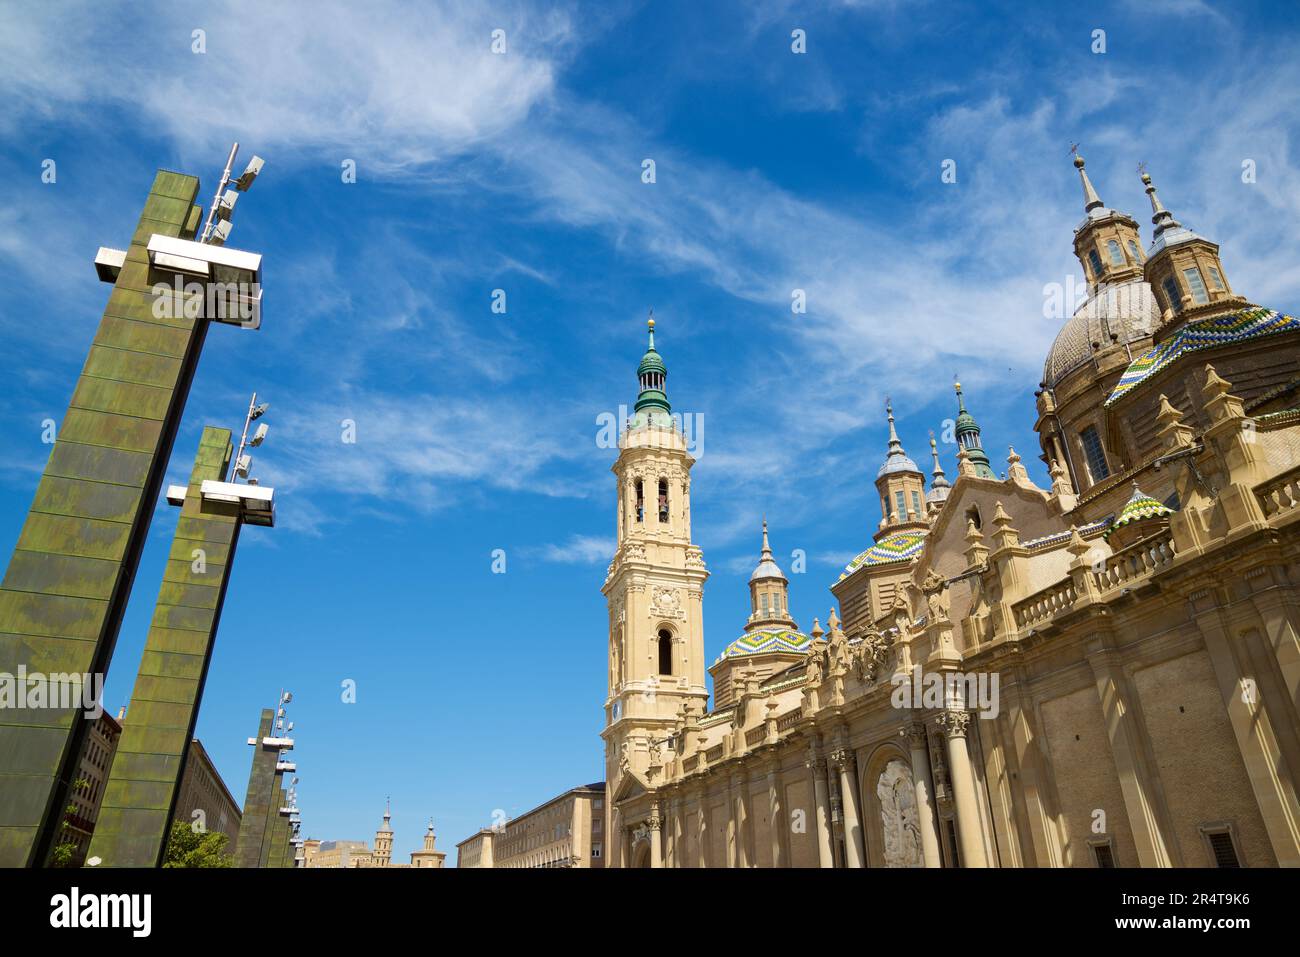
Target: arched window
1116,254
1172,294
1092,450
1095,262
916,502
973,515
665,652
1133,248
663,500
640,500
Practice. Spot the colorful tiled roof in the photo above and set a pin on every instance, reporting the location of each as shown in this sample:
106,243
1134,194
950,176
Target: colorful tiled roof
898,547
767,640
1203,334
1140,506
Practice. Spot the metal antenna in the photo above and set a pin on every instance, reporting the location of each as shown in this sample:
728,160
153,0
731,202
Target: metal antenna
221,187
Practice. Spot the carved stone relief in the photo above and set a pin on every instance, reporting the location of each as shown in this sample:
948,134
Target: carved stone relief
898,816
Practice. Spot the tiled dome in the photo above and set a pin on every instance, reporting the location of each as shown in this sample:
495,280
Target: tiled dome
1126,309
766,641
1138,508
898,547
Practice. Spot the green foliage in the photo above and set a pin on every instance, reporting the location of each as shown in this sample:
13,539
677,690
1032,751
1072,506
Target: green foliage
61,855
188,848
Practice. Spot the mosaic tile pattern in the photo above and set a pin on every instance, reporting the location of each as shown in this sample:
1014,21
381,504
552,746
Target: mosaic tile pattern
1202,334
898,547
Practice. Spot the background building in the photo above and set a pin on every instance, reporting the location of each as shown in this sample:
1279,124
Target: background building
96,761
566,831
476,850
203,789
358,854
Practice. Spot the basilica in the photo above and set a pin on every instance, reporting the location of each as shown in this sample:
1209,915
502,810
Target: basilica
1107,670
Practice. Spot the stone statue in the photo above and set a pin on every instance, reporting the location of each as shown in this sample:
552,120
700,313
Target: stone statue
898,816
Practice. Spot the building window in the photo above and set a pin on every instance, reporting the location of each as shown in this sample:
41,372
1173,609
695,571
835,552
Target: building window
665,652
1223,848
901,505
1197,285
1093,451
640,500
1095,261
916,502
1172,294
1133,248
663,500
1216,278
764,603
973,515
595,850
1104,854
952,843
1116,254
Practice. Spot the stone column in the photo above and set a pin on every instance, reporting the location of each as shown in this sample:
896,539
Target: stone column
822,813
679,831
656,843
963,789
1035,774
925,822
740,788
854,846
776,816
1137,777
730,804
1260,730
704,827
620,839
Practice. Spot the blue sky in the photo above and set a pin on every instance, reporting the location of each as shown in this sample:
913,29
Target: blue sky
522,171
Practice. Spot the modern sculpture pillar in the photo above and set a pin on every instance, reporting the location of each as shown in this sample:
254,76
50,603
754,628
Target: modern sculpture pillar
62,598
262,802
66,588
140,796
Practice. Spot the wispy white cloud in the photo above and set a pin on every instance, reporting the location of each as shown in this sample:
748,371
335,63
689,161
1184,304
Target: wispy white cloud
393,83
577,550
897,301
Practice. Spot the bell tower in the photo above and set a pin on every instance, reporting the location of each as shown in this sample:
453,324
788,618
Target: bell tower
654,590
1106,243
901,486
1185,271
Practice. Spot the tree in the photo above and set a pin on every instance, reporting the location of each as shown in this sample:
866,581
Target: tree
189,848
63,853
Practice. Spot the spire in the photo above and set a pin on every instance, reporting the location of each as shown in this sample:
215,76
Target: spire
1161,217
896,459
388,814
894,444
968,437
1091,200
939,487
938,478
767,566
652,374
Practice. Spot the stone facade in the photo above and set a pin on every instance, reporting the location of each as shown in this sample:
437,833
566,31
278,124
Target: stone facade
566,831
1103,673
